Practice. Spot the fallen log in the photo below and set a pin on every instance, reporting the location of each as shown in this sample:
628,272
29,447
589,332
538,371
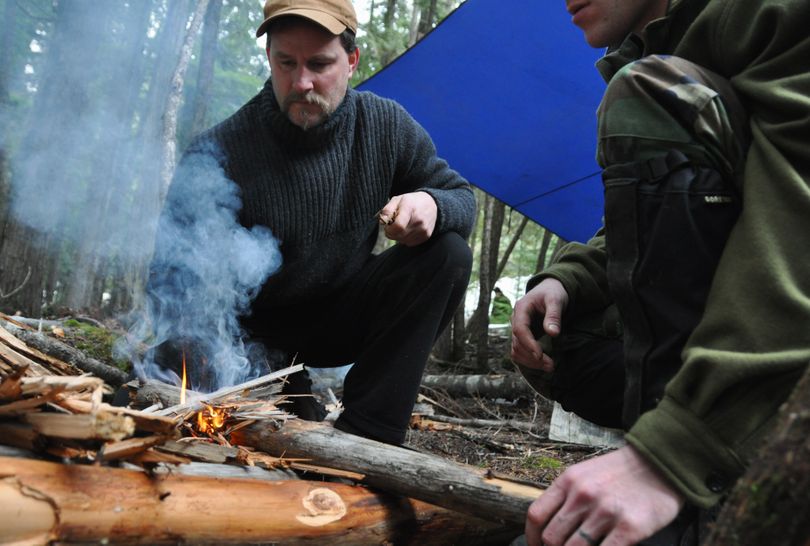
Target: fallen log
54,502
462,488
68,354
490,386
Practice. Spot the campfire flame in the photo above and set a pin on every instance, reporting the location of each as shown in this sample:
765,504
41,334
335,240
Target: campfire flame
211,420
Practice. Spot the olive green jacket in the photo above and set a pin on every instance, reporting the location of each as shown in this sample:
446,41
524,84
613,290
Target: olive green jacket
753,341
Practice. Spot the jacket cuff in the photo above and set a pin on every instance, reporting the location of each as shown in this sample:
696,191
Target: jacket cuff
694,459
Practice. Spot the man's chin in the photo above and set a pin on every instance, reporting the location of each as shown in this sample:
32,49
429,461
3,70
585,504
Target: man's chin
306,121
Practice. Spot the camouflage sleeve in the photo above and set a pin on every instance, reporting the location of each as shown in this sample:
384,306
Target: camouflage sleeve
753,342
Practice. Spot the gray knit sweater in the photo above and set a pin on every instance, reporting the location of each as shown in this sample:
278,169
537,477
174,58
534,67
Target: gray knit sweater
319,190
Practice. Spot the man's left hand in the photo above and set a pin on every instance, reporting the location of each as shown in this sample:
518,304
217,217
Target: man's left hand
616,499
409,218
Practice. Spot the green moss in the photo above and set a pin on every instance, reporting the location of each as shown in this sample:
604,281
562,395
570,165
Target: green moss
542,463
94,342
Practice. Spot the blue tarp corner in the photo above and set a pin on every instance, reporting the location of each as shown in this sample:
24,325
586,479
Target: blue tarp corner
508,92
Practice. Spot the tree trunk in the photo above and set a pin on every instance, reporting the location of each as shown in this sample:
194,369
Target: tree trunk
91,504
9,14
466,489
478,325
558,244
770,503
413,30
443,348
428,19
389,51
508,252
107,228
205,74
459,335
541,256
169,133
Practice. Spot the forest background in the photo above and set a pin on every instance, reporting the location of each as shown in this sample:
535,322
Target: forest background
98,99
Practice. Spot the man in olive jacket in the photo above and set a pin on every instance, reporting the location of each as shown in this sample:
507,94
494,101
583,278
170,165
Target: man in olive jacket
695,296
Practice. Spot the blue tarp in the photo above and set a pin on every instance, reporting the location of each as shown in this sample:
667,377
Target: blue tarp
508,91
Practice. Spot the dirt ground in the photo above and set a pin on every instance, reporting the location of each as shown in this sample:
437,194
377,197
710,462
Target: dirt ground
518,454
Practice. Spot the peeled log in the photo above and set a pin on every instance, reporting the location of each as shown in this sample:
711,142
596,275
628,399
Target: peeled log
429,478
54,502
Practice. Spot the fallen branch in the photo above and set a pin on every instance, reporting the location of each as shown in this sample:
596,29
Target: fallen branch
523,426
426,477
60,503
68,354
20,287
490,386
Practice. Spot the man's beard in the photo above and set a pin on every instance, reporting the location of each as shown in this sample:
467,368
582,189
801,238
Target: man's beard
307,119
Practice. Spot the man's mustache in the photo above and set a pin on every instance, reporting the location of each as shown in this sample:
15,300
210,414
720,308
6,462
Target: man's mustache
311,98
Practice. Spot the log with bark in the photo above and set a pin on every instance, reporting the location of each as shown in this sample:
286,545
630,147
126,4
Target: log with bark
54,502
505,385
66,353
490,386
462,488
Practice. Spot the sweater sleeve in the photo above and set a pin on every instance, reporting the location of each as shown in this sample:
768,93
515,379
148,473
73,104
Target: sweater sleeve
420,169
753,342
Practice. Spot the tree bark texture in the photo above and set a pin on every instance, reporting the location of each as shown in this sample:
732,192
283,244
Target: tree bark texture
478,326
541,256
462,488
68,354
54,502
205,73
771,502
490,386
169,133
508,252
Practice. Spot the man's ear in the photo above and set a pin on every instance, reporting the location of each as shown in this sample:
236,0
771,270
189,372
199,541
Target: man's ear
354,60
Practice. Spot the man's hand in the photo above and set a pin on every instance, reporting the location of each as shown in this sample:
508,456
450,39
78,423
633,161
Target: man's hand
548,299
618,499
409,218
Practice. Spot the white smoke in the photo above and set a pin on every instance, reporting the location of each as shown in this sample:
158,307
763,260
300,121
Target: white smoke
206,270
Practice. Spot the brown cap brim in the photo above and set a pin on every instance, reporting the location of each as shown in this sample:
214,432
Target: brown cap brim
326,20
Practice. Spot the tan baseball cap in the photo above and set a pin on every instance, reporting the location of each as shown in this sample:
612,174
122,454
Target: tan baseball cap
333,15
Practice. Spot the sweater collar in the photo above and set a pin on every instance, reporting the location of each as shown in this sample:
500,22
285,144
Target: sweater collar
294,136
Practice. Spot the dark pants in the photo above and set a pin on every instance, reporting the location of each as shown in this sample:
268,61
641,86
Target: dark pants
385,321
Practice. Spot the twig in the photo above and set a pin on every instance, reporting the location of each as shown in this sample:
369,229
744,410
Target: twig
25,280
227,391
517,425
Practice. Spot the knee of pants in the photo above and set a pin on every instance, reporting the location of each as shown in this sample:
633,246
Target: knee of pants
451,254
671,103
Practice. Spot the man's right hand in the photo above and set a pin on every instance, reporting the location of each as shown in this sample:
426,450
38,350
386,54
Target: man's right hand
548,300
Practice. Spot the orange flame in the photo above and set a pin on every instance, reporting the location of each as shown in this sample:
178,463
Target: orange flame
211,419
183,384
